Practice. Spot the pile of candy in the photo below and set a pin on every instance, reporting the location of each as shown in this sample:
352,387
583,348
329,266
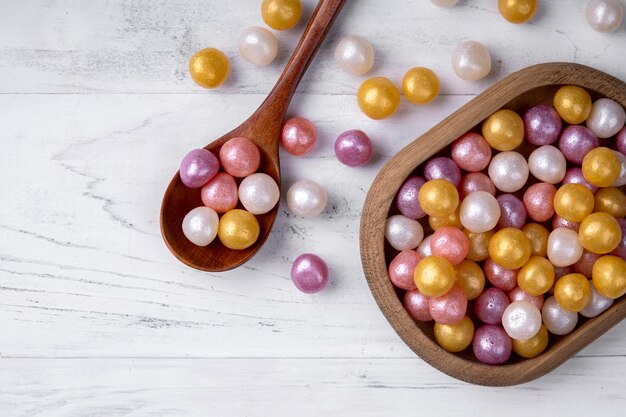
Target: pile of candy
516,245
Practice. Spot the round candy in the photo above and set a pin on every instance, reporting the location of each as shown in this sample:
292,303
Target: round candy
420,85
620,250
490,305
601,167
354,55
401,269
444,3
604,15
407,200
475,181
572,292
512,211
620,141
209,68
238,229
586,262
449,308
575,175
576,142
508,171
564,248
557,319
309,273
403,233
500,277
609,276
220,193
573,104
423,249
471,152
533,347
509,248
240,157
306,198
607,117
560,271
353,148
378,98
198,167
443,167
517,294
491,345
542,125
200,226
434,276
573,202
479,212
504,130
536,277
521,320
517,11
478,245
298,136
538,200
258,193
547,164
597,304
450,243
455,337
258,46
538,236
416,304
452,220
438,198
600,233
621,179
470,278
558,221
471,61
281,14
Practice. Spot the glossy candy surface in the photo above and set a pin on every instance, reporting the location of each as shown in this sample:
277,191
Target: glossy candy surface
572,292
576,141
471,152
517,11
306,198
407,200
281,14
442,167
601,167
209,68
240,157
353,148
354,55
604,15
573,202
198,167
401,269
510,248
600,233
573,104
258,193
220,193
542,125
521,320
309,273
491,344
434,276
508,171
536,277
471,61
298,136
512,211
479,212
200,226
490,305
557,319
378,98
449,308
450,243
238,229
420,85
438,198
416,305
538,200
258,46
503,130
470,278
455,337
403,233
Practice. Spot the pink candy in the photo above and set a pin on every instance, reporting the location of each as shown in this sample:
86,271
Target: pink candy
240,157
449,308
450,243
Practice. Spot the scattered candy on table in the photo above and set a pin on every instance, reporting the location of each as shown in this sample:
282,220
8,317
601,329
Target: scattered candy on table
604,15
353,148
420,85
378,98
281,14
517,11
354,55
209,68
258,46
298,136
309,273
306,198
471,61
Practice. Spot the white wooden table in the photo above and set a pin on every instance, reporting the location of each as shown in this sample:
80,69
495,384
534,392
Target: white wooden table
98,319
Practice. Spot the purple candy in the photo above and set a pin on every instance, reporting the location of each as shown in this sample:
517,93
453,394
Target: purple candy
576,141
620,250
353,148
475,181
443,167
492,345
542,125
620,140
309,273
198,167
490,305
407,201
512,211
558,221
575,176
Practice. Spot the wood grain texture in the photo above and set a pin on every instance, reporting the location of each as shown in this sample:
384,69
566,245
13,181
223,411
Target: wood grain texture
97,110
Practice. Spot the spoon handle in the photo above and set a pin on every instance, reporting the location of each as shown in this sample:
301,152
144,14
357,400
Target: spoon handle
280,96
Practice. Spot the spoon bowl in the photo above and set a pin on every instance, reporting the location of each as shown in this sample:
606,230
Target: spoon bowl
263,128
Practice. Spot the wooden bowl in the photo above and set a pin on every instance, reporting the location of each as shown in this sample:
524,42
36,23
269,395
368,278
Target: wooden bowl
518,92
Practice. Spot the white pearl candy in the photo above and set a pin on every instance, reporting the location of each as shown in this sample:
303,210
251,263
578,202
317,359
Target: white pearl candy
258,45
558,320
597,304
621,180
508,171
547,164
471,61
354,55
403,233
479,212
200,226
444,3
424,248
258,193
604,15
521,320
306,198
564,248
607,117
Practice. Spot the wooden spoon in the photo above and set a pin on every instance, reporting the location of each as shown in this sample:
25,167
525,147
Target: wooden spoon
263,128
518,92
